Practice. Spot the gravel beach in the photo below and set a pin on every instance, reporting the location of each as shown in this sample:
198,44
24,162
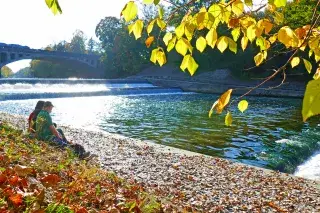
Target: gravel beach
197,182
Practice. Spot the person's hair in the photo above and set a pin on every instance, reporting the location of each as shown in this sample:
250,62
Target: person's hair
39,105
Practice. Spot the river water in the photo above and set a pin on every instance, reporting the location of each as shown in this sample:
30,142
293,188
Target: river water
270,134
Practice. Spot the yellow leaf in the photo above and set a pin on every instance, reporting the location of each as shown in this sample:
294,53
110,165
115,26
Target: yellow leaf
130,11
190,63
235,33
148,1
248,3
216,11
212,38
181,47
243,105
314,43
223,101
228,119
311,100
222,43
154,55
149,41
280,3
244,43
295,62
279,17
161,24
212,108
180,30
258,59
167,37
232,45
316,76
161,58
273,38
150,26
237,7
189,30
137,28
201,44
308,65
287,36
171,44
251,32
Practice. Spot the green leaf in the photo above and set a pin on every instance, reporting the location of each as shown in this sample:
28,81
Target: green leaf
212,38
160,11
222,43
243,105
201,44
130,11
228,119
311,100
308,65
280,3
190,63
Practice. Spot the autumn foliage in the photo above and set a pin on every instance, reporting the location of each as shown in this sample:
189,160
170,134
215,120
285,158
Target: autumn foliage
38,178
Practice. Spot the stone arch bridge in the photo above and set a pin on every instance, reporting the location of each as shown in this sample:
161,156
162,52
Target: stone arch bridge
9,54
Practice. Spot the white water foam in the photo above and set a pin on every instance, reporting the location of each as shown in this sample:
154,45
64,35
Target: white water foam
311,168
60,88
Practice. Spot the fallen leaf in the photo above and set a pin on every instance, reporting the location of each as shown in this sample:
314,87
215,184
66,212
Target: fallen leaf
50,180
16,199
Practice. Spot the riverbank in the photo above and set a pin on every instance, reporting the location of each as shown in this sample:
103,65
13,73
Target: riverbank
189,179
218,81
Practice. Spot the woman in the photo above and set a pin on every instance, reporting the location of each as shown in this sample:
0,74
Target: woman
33,117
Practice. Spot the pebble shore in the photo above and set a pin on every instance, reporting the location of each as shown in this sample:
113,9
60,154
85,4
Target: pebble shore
192,180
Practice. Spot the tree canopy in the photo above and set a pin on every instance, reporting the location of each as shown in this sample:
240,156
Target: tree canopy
6,72
280,27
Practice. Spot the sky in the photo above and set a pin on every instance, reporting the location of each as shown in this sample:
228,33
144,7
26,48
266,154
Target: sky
31,23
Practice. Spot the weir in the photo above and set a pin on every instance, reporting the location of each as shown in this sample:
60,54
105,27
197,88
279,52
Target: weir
21,89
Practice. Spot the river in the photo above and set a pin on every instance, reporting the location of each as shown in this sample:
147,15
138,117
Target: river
270,134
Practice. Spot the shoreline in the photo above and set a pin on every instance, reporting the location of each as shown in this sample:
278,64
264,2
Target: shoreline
204,182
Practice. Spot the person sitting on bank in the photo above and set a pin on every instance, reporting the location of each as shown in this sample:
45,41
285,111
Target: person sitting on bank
46,131
33,116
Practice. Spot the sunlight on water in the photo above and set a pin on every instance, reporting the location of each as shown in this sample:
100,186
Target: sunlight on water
270,134
63,88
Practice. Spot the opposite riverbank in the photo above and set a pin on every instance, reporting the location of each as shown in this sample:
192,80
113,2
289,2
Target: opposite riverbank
217,82
203,183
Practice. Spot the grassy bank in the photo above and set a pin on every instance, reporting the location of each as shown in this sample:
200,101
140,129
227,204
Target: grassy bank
36,177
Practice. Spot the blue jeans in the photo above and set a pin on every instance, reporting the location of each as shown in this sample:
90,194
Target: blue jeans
58,141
